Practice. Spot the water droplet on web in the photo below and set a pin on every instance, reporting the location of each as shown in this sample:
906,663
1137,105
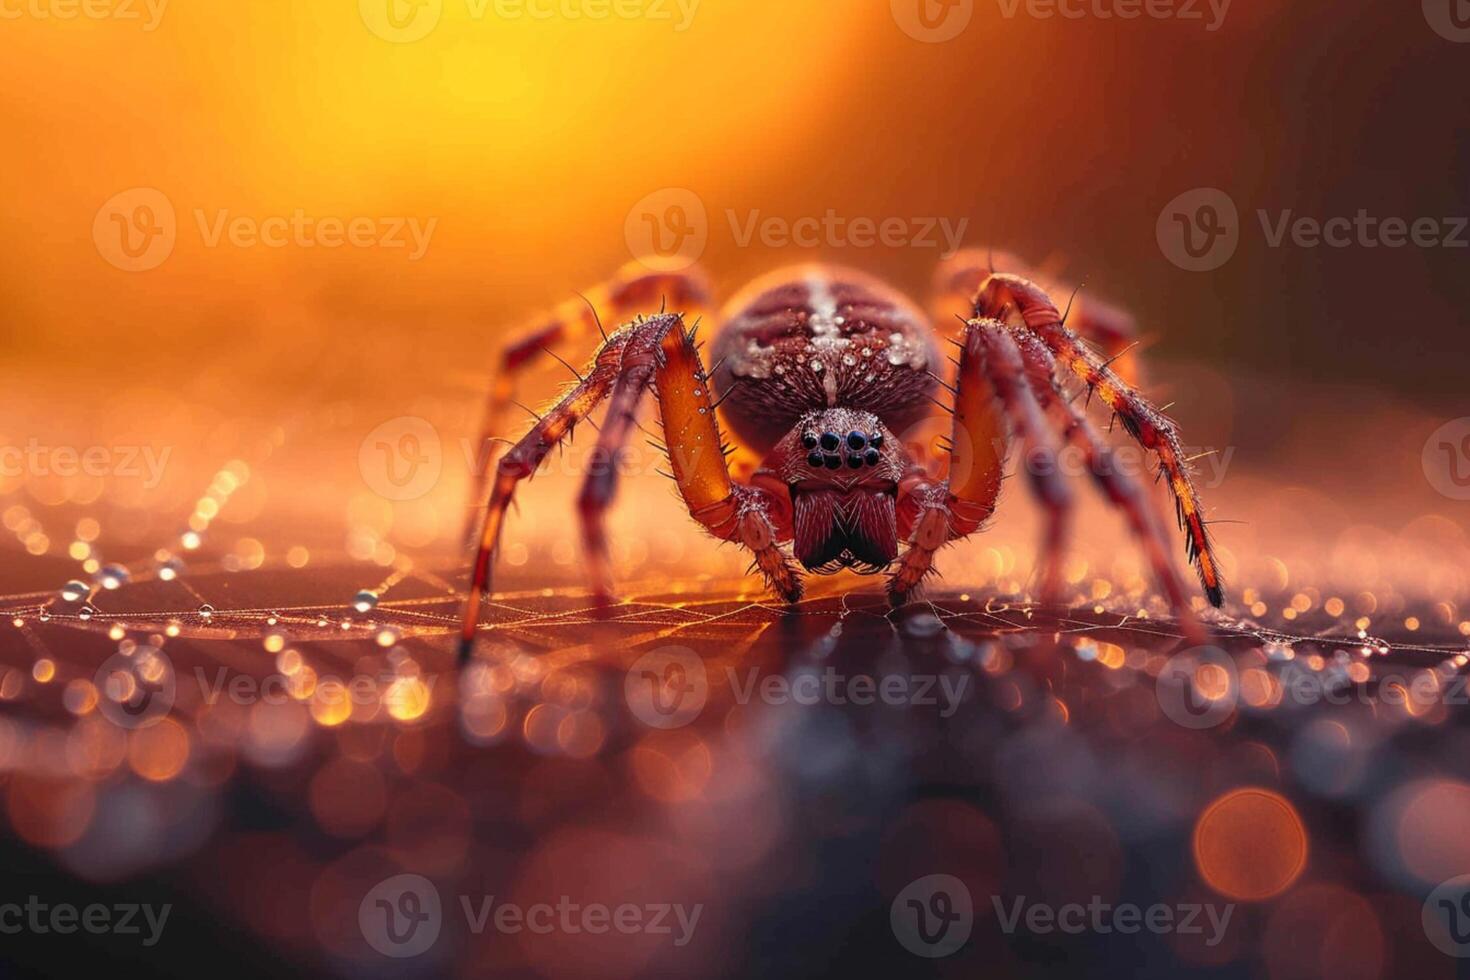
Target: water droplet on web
365,600
171,569
206,610
923,625
74,590
86,612
44,616
112,576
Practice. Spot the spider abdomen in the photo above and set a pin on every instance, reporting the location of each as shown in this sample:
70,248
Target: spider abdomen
814,337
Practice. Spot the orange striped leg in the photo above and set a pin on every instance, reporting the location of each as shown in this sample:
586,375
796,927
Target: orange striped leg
600,485
627,349
958,279
1000,359
1150,427
751,516
634,289
1121,489
932,513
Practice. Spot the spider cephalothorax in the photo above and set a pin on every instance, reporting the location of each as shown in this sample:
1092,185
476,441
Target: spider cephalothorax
818,371
841,468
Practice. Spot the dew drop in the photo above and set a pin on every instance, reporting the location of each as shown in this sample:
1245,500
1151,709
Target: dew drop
206,610
365,600
170,570
86,612
112,576
74,590
44,615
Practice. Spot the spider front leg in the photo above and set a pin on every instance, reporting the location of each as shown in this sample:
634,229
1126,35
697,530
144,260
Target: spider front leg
1146,424
933,512
991,374
625,360
749,515
634,289
658,350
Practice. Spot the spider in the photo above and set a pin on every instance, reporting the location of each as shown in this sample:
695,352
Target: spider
819,369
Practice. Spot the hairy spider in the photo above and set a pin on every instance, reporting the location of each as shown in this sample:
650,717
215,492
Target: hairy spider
820,369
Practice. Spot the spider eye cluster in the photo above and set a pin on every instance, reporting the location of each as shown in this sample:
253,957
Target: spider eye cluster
862,449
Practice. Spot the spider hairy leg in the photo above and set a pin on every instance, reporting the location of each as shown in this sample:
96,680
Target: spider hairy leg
990,344
1119,488
1146,424
931,512
634,288
752,516
626,350
1113,329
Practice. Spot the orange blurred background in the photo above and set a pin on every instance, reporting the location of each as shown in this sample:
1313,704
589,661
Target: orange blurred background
528,139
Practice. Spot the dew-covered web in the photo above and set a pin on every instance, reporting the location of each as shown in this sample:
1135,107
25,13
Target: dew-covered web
313,680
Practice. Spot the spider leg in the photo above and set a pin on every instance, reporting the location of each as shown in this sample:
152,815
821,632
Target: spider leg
1113,329
933,512
748,514
990,344
633,289
600,485
626,351
1121,489
1146,424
